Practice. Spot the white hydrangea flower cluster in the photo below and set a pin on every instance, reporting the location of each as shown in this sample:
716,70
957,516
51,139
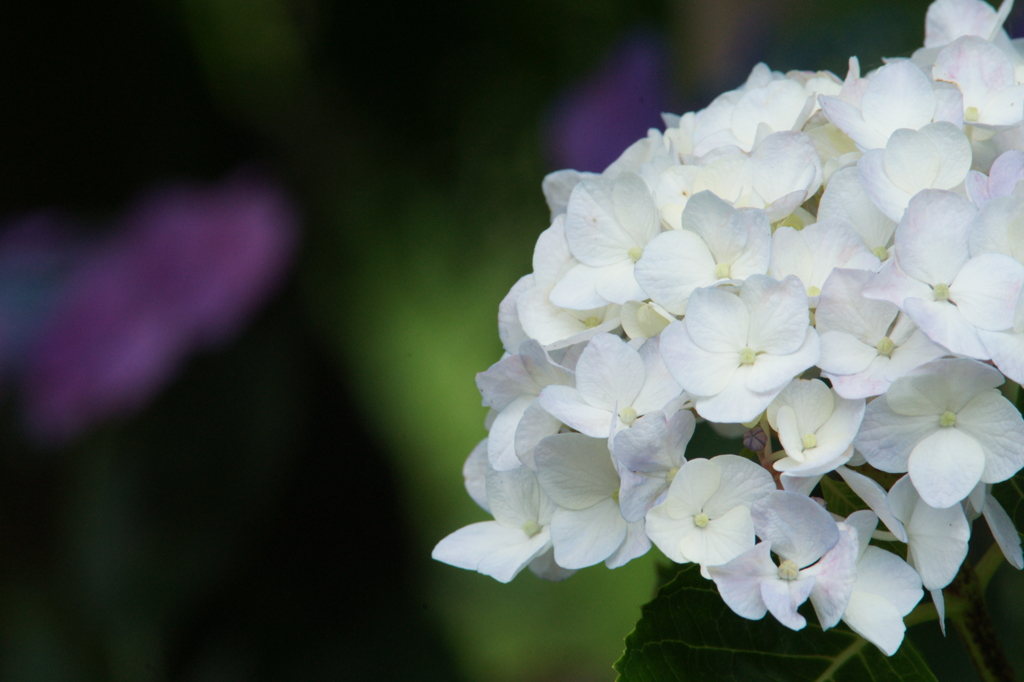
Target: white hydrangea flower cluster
833,264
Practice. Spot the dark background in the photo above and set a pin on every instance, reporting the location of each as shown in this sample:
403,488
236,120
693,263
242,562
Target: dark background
269,512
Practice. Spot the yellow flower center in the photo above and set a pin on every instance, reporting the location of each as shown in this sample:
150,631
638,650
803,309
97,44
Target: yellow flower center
635,253
627,415
788,570
971,114
810,441
941,292
701,520
722,271
531,528
947,419
885,346
591,322
880,252
747,356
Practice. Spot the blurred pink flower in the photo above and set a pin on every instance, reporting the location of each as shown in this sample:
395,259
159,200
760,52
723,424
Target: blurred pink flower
183,271
594,121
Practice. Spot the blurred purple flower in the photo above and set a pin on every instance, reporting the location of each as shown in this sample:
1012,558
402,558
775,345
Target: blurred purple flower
594,121
186,267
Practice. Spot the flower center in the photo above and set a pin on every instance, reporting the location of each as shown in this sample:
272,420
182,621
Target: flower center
531,528
671,475
880,252
792,220
627,415
701,520
947,419
810,441
722,271
635,253
788,570
813,291
941,292
885,346
971,114
591,322
747,356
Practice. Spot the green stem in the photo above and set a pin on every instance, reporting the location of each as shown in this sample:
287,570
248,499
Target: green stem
988,565
966,610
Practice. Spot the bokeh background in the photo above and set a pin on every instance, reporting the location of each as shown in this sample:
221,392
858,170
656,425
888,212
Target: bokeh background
251,253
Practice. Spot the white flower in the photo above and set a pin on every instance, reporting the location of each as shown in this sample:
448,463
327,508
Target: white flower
648,457
518,535
947,20
937,156
644,320
937,538
845,198
717,242
818,560
866,344
705,518
985,76
511,386
577,472
815,251
607,226
780,173
816,427
898,95
886,590
948,292
1006,171
733,354
615,385
947,425
539,318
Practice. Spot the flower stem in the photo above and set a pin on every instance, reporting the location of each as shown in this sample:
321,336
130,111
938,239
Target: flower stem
988,565
966,609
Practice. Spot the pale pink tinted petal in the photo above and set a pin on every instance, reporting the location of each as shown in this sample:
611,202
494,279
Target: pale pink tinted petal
798,528
834,576
782,597
986,289
739,581
932,238
945,324
899,95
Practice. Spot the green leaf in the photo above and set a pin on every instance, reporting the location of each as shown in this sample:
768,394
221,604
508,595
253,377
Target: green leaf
840,498
688,634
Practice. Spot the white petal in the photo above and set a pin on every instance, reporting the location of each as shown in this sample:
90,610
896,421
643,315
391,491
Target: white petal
672,266
576,472
739,581
535,426
501,442
718,321
693,485
782,597
797,527
634,545
899,95
843,353
932,238
946,466
945,325
1004,532
585,537
874,495
995,424
568,406
772,372
876,620
469,546
617,283
609,372
834,576
986,289
742,482
778,314
721,540
698,371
